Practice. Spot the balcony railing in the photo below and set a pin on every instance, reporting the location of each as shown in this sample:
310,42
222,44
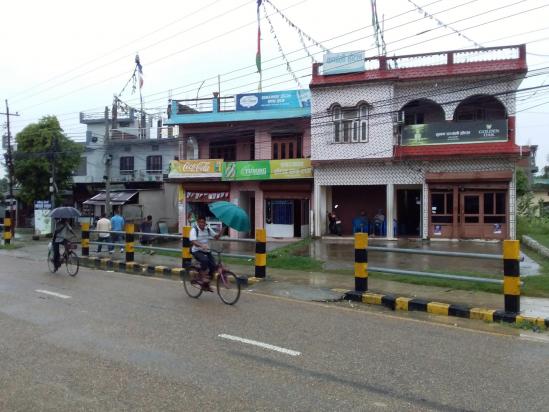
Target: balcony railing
454,57
132,133
192,106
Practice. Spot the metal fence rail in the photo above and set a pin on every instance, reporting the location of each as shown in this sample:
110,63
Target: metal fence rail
436,253
433,275
510,258
169,236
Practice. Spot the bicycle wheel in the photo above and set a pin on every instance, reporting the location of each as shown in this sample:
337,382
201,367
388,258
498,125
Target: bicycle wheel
192,287
228,287
51,265
72,263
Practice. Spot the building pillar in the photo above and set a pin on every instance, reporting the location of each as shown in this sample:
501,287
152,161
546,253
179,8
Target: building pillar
390,212
425,210
322,204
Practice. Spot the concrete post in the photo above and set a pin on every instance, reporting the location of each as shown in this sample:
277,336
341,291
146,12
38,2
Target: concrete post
85,239
511,275
260,253
129,242
186,257
361,262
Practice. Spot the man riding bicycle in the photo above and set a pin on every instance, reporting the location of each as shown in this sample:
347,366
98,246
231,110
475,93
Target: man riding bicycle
199,237
62,234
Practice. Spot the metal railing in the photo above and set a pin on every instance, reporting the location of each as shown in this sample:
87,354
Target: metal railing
510,258
157,236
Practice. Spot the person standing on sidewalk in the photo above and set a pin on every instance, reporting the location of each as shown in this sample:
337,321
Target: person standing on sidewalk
117,223
104,228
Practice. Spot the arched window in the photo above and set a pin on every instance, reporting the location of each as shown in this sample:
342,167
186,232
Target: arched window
350,123
422,111
480,107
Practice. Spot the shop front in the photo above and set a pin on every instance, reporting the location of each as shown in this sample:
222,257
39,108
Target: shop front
198,185
469,205
276,193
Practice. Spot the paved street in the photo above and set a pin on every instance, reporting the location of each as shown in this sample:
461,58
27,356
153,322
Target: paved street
110,341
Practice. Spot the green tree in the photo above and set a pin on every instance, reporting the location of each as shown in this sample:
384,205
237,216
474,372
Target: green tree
39,145
523,186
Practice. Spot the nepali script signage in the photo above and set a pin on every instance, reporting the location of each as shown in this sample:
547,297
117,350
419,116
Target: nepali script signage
195,168
455,133
268,169
346,62
287,99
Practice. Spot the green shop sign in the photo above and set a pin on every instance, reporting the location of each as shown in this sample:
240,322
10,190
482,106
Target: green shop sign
455,132
252,170
268,169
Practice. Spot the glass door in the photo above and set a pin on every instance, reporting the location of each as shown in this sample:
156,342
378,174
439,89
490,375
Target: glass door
471,211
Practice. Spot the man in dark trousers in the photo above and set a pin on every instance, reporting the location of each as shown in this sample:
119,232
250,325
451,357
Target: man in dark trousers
200,235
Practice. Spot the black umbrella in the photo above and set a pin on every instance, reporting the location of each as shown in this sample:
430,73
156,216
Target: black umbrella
65,212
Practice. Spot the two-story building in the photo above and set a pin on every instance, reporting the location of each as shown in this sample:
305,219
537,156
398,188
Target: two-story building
428,139
139,160
251,149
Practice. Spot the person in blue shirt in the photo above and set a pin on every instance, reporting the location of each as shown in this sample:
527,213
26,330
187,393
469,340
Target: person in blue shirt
117,224
360,223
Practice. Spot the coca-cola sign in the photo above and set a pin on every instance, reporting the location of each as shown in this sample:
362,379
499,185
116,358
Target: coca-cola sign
195,168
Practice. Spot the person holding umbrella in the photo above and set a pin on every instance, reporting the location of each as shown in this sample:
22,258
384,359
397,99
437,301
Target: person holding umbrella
62,234
62,229
199,237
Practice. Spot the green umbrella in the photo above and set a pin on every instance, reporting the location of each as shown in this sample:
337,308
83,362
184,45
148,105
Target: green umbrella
231,215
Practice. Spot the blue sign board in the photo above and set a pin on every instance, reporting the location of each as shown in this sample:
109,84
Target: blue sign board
287,99
346,62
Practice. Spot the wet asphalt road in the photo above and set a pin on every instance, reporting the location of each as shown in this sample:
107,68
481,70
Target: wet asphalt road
120,342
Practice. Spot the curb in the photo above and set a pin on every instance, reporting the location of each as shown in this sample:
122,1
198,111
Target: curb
135,268
445,309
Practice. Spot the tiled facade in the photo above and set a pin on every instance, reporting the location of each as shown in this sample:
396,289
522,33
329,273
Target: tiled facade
381,162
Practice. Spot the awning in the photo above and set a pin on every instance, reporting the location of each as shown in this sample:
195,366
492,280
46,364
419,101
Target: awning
116,198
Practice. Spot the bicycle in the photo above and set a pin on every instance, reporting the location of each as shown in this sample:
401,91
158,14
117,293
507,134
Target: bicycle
68,257
227,283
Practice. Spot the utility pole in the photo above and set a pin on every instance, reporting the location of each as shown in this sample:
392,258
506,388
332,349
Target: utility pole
9,160
108,161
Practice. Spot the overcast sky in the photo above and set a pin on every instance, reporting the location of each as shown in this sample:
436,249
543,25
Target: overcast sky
63,57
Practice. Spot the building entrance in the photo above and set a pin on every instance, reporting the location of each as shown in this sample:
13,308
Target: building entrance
408,212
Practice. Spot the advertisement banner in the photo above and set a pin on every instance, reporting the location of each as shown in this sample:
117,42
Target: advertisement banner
195,168
455,133
247,170
268,169
287,99
346,62
42,220
291,169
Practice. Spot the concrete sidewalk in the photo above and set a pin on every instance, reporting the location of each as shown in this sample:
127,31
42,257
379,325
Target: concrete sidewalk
318,286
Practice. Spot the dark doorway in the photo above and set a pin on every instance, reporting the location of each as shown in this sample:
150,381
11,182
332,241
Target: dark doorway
251,213
297,218
408,212
350,200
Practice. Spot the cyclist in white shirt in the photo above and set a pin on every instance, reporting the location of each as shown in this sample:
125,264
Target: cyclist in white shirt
199,237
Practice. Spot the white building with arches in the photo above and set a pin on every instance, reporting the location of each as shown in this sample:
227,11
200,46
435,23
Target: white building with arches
427,141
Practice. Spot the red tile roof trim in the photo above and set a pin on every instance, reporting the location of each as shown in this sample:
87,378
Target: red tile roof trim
457,150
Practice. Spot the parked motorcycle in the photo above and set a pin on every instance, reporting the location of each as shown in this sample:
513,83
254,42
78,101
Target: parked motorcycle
334,224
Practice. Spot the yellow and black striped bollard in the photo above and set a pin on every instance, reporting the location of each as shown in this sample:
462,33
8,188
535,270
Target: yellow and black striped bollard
511,275
7,228
186,257
85,242
260,253
361,262
129,242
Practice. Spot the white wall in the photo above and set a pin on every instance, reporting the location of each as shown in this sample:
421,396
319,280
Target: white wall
380,135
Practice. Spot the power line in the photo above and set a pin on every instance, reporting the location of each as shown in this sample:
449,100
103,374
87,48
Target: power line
333,38
482,23
163,27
